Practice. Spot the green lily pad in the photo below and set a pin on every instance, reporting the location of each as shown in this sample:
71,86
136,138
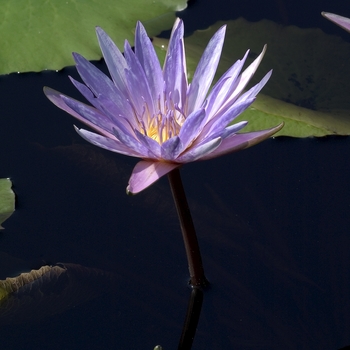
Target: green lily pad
310,85
7,200
39,35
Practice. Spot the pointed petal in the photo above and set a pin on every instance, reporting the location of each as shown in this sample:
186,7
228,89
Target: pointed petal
174,71
97,121
225,87
114,58
106,143
246,76
86,92
341,21
200,151
190,129
169,147
146,173
97,81
100,84
251,93
137,82
88,113
218,124
152,145
132,143
222,121
232,107
117,116
228,131
232,129
237,142
205,71
149,61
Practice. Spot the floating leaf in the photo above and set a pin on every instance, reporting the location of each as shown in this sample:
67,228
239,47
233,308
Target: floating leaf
7,200
310,83
38,35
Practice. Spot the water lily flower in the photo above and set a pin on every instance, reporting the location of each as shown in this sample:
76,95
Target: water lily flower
154,114
341,21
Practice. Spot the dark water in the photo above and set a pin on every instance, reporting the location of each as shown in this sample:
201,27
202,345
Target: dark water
272,221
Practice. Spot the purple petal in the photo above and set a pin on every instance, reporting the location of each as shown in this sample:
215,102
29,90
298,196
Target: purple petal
223,133
246,75
100,84
341,21
106,143
117,116
137,82
237,142
146,173
114,58
174,71
148,142
200,151
205,71
89,113
251,93
190,129
97,81
86,92
98,121
132,143
232,129
225,110
149,61
224,87
219,123
169,148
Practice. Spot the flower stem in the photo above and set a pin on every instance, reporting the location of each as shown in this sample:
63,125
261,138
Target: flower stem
195,266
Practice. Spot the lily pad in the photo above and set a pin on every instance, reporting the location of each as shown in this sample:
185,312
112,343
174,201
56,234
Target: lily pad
310,85
38,35
7,200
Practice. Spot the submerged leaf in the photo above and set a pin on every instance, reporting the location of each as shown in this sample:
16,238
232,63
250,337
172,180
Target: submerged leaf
14,284
7,201
50,290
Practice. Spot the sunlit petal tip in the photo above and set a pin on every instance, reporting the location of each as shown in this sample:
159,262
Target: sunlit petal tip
178,22
341,21
264,134
238,142
50,92
99,30
77,57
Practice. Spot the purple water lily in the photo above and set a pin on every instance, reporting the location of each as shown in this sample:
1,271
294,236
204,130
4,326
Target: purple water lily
152,113
341,21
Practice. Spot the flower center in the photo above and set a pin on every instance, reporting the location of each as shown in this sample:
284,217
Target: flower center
164,125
